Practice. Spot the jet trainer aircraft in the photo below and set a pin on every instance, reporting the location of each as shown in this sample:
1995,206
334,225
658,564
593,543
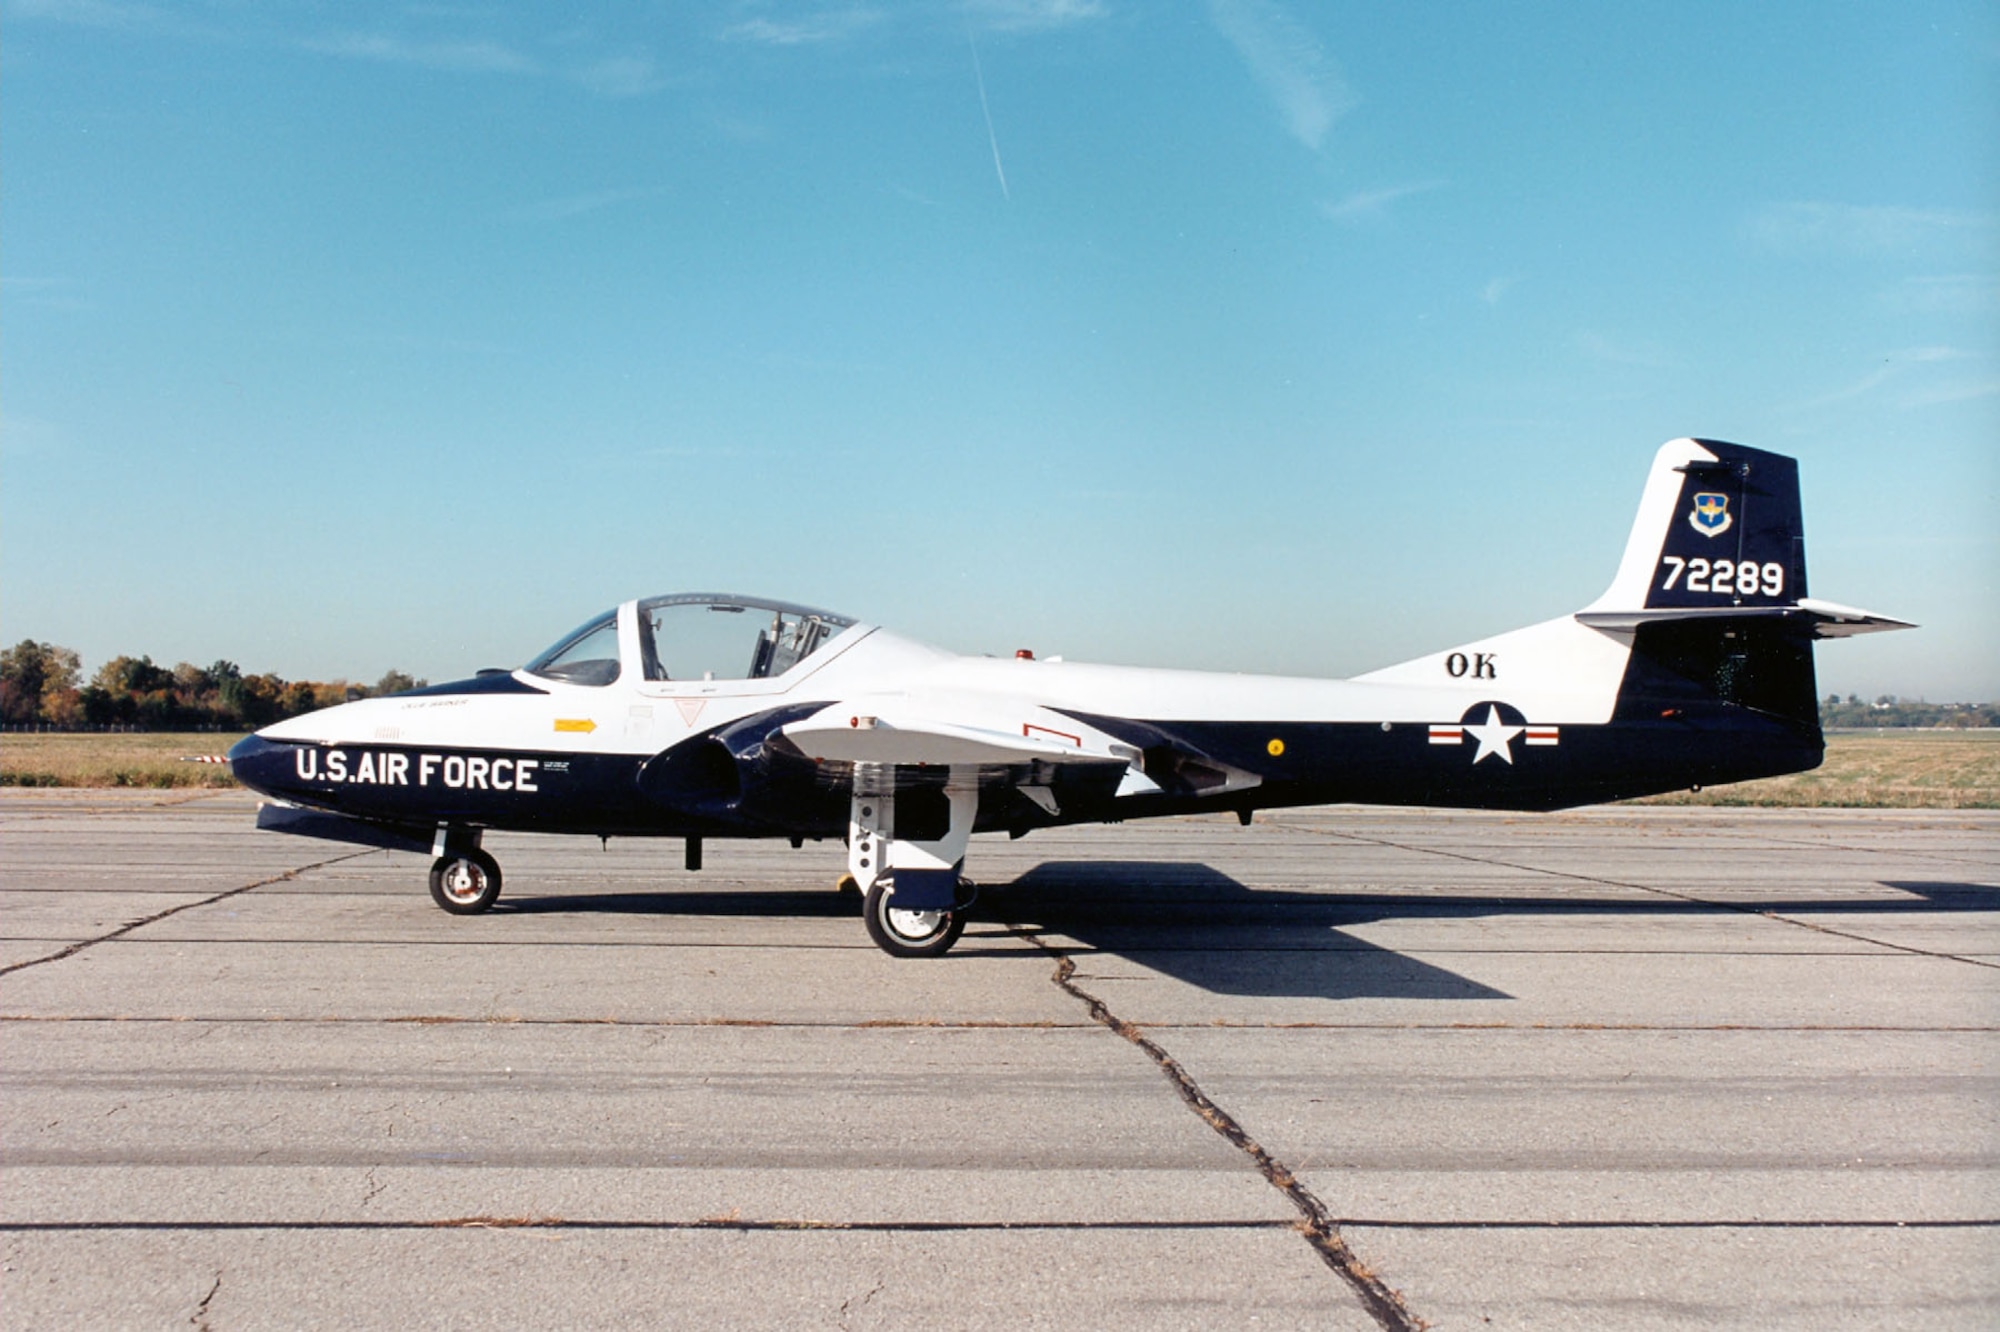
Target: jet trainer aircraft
699,716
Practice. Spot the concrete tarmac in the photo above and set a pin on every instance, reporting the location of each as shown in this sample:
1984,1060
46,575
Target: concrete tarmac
1343,1068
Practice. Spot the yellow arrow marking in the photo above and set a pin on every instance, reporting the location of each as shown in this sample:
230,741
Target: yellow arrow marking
583,724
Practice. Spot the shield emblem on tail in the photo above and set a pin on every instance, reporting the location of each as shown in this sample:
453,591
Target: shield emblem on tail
1710,515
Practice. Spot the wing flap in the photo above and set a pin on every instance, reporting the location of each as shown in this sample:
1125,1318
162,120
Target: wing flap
929,742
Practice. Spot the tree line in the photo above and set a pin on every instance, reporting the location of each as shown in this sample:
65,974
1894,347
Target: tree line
1888,710
42,684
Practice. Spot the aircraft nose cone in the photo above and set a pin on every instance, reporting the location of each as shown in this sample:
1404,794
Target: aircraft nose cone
256,762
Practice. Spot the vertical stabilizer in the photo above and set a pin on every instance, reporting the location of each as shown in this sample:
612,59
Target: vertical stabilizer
1719,527
1709,590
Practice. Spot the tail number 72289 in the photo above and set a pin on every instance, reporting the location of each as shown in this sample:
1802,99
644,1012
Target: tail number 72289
1744,578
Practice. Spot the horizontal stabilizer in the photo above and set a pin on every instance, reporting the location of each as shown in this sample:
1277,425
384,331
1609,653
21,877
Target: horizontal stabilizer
1832,620
1822,619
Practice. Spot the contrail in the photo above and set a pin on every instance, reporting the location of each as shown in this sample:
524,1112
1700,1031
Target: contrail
991,137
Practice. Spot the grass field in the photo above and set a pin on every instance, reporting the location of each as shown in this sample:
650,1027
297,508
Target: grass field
151,759
1863,769
1889,769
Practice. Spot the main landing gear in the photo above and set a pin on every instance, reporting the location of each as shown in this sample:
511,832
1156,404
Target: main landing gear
915,898
903,931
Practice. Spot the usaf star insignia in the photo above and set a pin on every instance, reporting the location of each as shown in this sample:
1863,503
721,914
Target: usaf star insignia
1493,735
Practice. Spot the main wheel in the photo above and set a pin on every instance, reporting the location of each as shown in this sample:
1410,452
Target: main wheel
466,883
901,933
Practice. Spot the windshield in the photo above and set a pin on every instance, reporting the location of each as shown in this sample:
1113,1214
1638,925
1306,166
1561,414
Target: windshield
587,656
703,637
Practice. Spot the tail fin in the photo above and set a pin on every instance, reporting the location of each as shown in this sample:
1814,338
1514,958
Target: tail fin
1713,588
1719,533
1708,613
1719,526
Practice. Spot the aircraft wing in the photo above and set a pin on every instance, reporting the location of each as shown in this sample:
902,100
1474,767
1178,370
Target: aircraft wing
903,732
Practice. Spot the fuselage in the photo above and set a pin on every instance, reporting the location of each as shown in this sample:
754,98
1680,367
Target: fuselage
1541,718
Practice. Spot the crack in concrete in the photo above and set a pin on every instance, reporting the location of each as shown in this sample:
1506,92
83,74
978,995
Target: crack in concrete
857,1308
199,1318
158,916
1315,1223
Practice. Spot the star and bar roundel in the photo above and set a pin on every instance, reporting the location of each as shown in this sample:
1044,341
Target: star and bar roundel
1495,728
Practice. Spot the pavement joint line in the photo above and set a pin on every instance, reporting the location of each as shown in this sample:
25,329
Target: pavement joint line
490,1020
946,1227
158,916
1647,888
703,1223
1754,1223
983,1024
1939,856
1315,1224
1875,949
1103,950
1778,840
444,941
195,796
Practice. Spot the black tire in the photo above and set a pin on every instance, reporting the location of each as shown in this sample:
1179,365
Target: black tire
909,933
465,883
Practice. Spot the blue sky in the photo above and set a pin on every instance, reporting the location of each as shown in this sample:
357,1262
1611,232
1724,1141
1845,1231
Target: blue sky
1240,335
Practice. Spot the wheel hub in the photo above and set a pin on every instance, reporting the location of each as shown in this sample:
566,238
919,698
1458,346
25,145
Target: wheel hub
463,881
917,925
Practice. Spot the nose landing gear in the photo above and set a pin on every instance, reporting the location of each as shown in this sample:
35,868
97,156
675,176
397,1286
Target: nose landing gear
466,883
464,879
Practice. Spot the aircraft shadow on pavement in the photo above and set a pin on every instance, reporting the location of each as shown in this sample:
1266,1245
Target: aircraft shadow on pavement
814,903
1950,896
1198,925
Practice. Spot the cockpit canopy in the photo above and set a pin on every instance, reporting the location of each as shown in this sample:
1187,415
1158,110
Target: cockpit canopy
586,656
694,636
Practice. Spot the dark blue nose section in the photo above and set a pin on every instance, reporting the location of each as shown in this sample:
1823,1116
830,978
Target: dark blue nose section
262,765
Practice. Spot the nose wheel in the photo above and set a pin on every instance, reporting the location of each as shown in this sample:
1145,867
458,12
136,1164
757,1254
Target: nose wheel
900,932
465,883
